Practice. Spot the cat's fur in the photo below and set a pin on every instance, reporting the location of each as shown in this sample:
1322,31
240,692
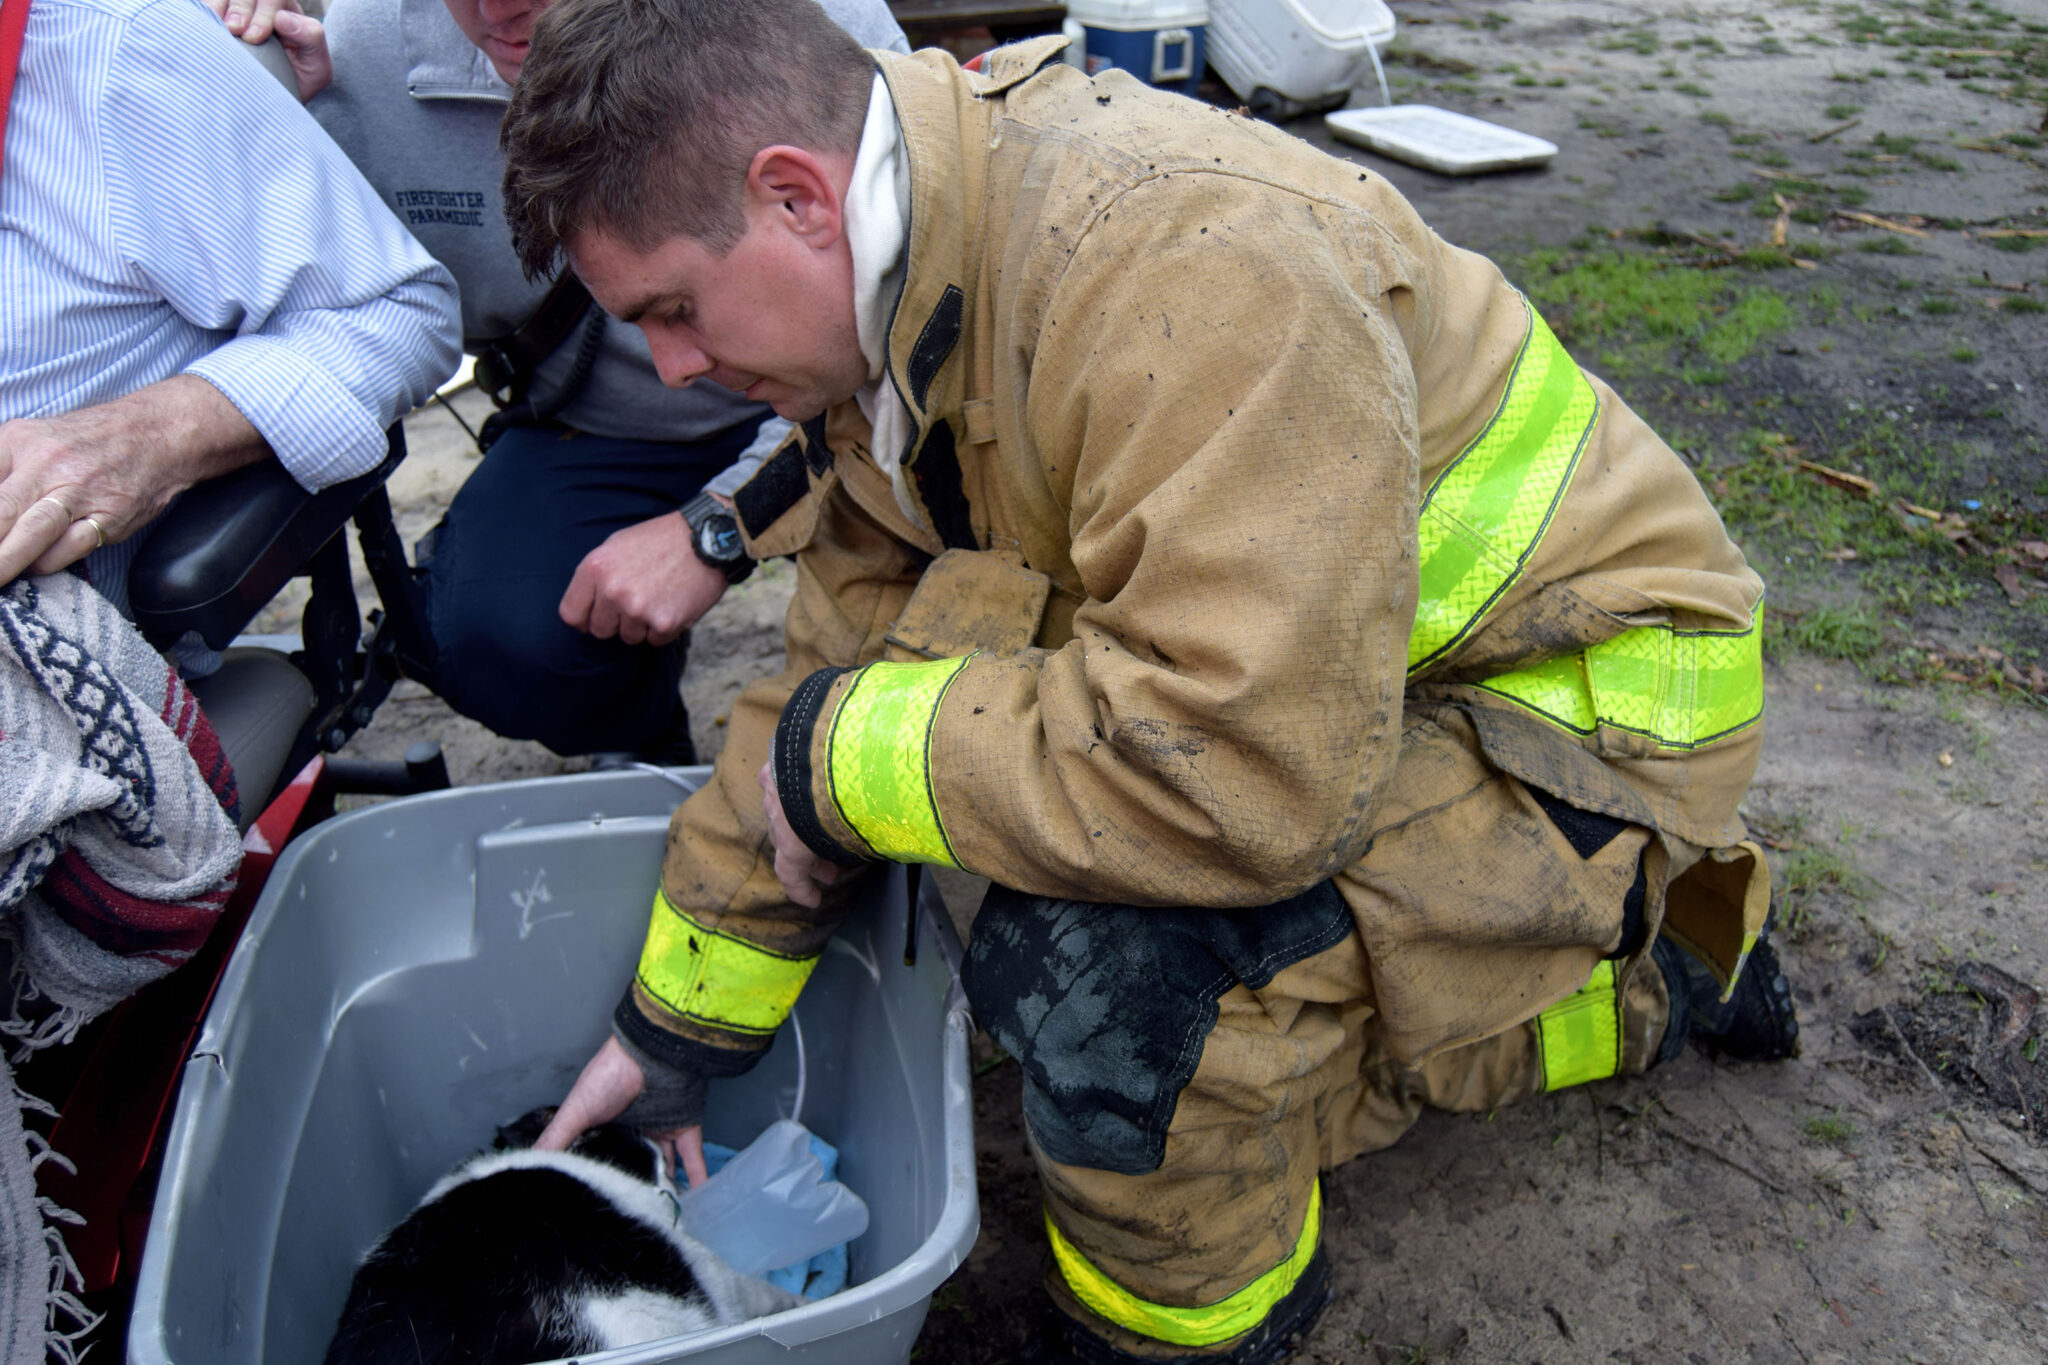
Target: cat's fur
518,1256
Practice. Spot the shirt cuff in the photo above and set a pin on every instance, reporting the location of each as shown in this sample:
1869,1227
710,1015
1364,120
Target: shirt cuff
314,425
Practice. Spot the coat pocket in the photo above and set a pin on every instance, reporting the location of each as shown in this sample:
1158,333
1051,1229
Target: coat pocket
969,600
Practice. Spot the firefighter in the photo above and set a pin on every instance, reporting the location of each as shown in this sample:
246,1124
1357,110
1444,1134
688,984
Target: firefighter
1348,697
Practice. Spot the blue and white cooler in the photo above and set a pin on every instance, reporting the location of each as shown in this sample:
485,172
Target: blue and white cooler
1158,41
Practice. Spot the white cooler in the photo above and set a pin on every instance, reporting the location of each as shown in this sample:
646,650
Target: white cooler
1285,57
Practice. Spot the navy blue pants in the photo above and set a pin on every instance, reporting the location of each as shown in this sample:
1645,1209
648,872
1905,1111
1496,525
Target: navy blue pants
497,566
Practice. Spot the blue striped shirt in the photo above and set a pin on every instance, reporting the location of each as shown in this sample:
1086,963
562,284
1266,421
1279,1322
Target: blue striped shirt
166,207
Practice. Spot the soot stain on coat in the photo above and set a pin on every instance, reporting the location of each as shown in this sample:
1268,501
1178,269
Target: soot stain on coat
1152,740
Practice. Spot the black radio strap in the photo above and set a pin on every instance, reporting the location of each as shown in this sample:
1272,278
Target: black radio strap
505,365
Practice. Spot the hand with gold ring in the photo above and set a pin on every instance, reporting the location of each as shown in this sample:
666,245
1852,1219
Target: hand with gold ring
78,482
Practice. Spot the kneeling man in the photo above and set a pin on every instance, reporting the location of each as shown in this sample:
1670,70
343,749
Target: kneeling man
1349,697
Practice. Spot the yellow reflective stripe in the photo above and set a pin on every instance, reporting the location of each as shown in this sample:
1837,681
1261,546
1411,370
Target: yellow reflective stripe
879,759
1582,1034
716,978
1682,689
1741,960
1482,520
1204,1326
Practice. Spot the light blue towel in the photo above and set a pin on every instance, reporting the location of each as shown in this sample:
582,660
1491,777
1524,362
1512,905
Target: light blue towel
825,1273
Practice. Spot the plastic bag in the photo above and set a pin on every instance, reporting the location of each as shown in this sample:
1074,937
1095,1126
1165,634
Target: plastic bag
771,1206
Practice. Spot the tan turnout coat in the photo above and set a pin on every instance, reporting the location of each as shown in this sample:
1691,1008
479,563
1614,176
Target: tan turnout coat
1179,382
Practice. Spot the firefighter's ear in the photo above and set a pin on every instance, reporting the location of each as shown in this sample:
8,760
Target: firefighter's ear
807,191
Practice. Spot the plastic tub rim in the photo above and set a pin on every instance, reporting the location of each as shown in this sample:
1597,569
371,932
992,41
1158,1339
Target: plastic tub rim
882,1297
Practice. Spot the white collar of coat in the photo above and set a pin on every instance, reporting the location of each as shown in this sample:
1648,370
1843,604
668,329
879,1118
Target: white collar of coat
878,234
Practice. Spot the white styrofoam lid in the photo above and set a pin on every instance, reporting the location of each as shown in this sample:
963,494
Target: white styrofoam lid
1438,139
1131,16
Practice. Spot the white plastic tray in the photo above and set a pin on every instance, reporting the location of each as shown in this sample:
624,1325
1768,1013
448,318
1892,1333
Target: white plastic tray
1439,140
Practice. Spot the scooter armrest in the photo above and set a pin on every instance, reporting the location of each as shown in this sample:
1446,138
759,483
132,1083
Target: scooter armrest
227,546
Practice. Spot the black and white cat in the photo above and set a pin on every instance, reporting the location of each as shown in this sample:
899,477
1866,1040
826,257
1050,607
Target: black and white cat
518,1256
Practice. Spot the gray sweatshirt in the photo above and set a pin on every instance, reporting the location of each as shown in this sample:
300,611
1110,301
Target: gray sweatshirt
416,106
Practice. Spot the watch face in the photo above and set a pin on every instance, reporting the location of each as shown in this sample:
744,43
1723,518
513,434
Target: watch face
719,539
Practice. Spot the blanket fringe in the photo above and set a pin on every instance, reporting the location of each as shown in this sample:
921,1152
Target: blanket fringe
67,1321
32,1030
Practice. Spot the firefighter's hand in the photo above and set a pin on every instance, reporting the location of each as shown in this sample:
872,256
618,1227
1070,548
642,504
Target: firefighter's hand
302,37
610,1082
684,1148
644,584
803,874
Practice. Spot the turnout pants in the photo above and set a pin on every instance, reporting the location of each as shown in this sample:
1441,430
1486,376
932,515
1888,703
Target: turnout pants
1189,1072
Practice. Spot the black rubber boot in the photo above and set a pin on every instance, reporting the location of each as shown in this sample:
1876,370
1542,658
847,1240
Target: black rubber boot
1274,1340
1759,1023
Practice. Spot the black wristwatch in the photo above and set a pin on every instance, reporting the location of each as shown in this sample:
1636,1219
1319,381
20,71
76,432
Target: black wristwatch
715,536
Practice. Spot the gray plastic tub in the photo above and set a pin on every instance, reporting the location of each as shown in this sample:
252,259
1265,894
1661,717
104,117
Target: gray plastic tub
423,970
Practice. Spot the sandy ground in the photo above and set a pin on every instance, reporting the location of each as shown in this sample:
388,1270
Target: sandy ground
1880,1198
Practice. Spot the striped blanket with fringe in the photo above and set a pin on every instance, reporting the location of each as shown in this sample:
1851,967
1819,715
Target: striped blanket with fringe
118,850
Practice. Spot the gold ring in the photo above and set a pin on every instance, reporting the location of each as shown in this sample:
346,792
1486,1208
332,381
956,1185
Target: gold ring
97,530
58,503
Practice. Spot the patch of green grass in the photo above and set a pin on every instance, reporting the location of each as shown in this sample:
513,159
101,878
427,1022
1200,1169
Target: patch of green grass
1851,634
1695,89
2019,246
1741,192
1941,307
1966,354
1810,214
1654,316
2021,139
1717,118
1765,258
1643,41
1832,1129
1772,157
1744,139
1842,111
1937,161
1807,877
2022,303
1887,245
1895,145
1772,47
